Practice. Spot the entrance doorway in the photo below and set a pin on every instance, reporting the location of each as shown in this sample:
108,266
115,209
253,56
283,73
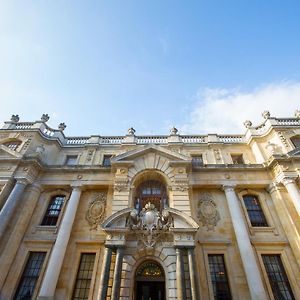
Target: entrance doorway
150,281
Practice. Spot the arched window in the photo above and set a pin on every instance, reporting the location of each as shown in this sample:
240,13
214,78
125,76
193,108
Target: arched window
254,210
152,191
13,145
53,210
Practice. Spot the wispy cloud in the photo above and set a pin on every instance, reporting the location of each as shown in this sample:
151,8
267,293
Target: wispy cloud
218,110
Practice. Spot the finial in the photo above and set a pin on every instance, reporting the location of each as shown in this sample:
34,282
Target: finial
131,131
266,114
247,123
45,117
15,118
297,114
173,131
62,126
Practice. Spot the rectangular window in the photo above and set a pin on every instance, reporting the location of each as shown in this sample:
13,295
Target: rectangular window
106,160
197,161
84,276
296,141
53,210
71,160
219,277
30,276
277,277
254,210
237,159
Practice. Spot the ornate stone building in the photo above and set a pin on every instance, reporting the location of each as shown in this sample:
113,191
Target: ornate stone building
150,217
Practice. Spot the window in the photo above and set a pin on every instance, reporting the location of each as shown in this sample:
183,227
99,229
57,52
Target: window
71,160
296,141
152,191
277,277
237,159
30,276
106,160
53,210
219,278
255,213
84,276
197,161
12,145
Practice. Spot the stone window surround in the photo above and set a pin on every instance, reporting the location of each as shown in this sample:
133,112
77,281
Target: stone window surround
280,250
81,248
265,209
46,198
223,249
19,266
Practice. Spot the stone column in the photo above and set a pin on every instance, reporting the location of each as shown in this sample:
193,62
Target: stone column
117,275
293,190
5,192
10,205
252,271
58,251
19,230
181,290
193,274
288,223
105,273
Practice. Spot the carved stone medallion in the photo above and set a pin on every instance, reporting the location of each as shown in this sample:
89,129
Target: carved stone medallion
207,211
96,211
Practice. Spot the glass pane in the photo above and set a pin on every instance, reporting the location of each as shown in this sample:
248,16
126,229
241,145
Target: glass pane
30,276
219,277
277,276
84,276
255,213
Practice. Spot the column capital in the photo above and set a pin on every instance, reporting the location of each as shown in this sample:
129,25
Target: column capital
228,187
287,180
274,187
23,181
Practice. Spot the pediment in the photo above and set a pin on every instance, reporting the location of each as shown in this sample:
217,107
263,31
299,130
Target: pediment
144,150
5,152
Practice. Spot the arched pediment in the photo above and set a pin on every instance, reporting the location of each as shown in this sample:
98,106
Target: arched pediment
120,221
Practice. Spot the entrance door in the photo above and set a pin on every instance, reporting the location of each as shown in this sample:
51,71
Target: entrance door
150,281
150,290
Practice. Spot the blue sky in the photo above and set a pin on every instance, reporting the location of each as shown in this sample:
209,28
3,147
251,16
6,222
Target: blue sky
104,66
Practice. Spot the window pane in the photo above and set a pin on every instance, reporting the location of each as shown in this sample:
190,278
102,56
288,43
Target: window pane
30,276
219,277
255,213
106,160
84,276
237,159
278,279
53,210
71,160
13,145
197,161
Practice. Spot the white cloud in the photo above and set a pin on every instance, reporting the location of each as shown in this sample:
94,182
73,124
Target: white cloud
224,110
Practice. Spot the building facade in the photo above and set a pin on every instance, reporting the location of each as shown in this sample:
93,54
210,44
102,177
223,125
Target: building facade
150,217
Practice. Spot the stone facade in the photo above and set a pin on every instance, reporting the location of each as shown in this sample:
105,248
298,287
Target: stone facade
176,202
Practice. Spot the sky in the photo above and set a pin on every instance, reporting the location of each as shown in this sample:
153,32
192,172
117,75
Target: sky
102,67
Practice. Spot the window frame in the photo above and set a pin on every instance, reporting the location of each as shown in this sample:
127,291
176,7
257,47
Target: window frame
287,267
106,155
219,249
196,155
265,209
69,156
78,269
240,155
292,138
83,247
46,201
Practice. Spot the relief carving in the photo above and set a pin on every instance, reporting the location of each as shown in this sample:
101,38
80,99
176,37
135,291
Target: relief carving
96,211
149,224
207,211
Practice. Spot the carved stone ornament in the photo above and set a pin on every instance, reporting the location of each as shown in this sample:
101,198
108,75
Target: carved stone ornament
121,185
149,224
96,211
207,211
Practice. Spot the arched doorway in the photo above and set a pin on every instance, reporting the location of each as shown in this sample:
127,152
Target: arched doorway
150,281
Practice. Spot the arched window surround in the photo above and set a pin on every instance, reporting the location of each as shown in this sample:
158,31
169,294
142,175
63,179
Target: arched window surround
265,208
